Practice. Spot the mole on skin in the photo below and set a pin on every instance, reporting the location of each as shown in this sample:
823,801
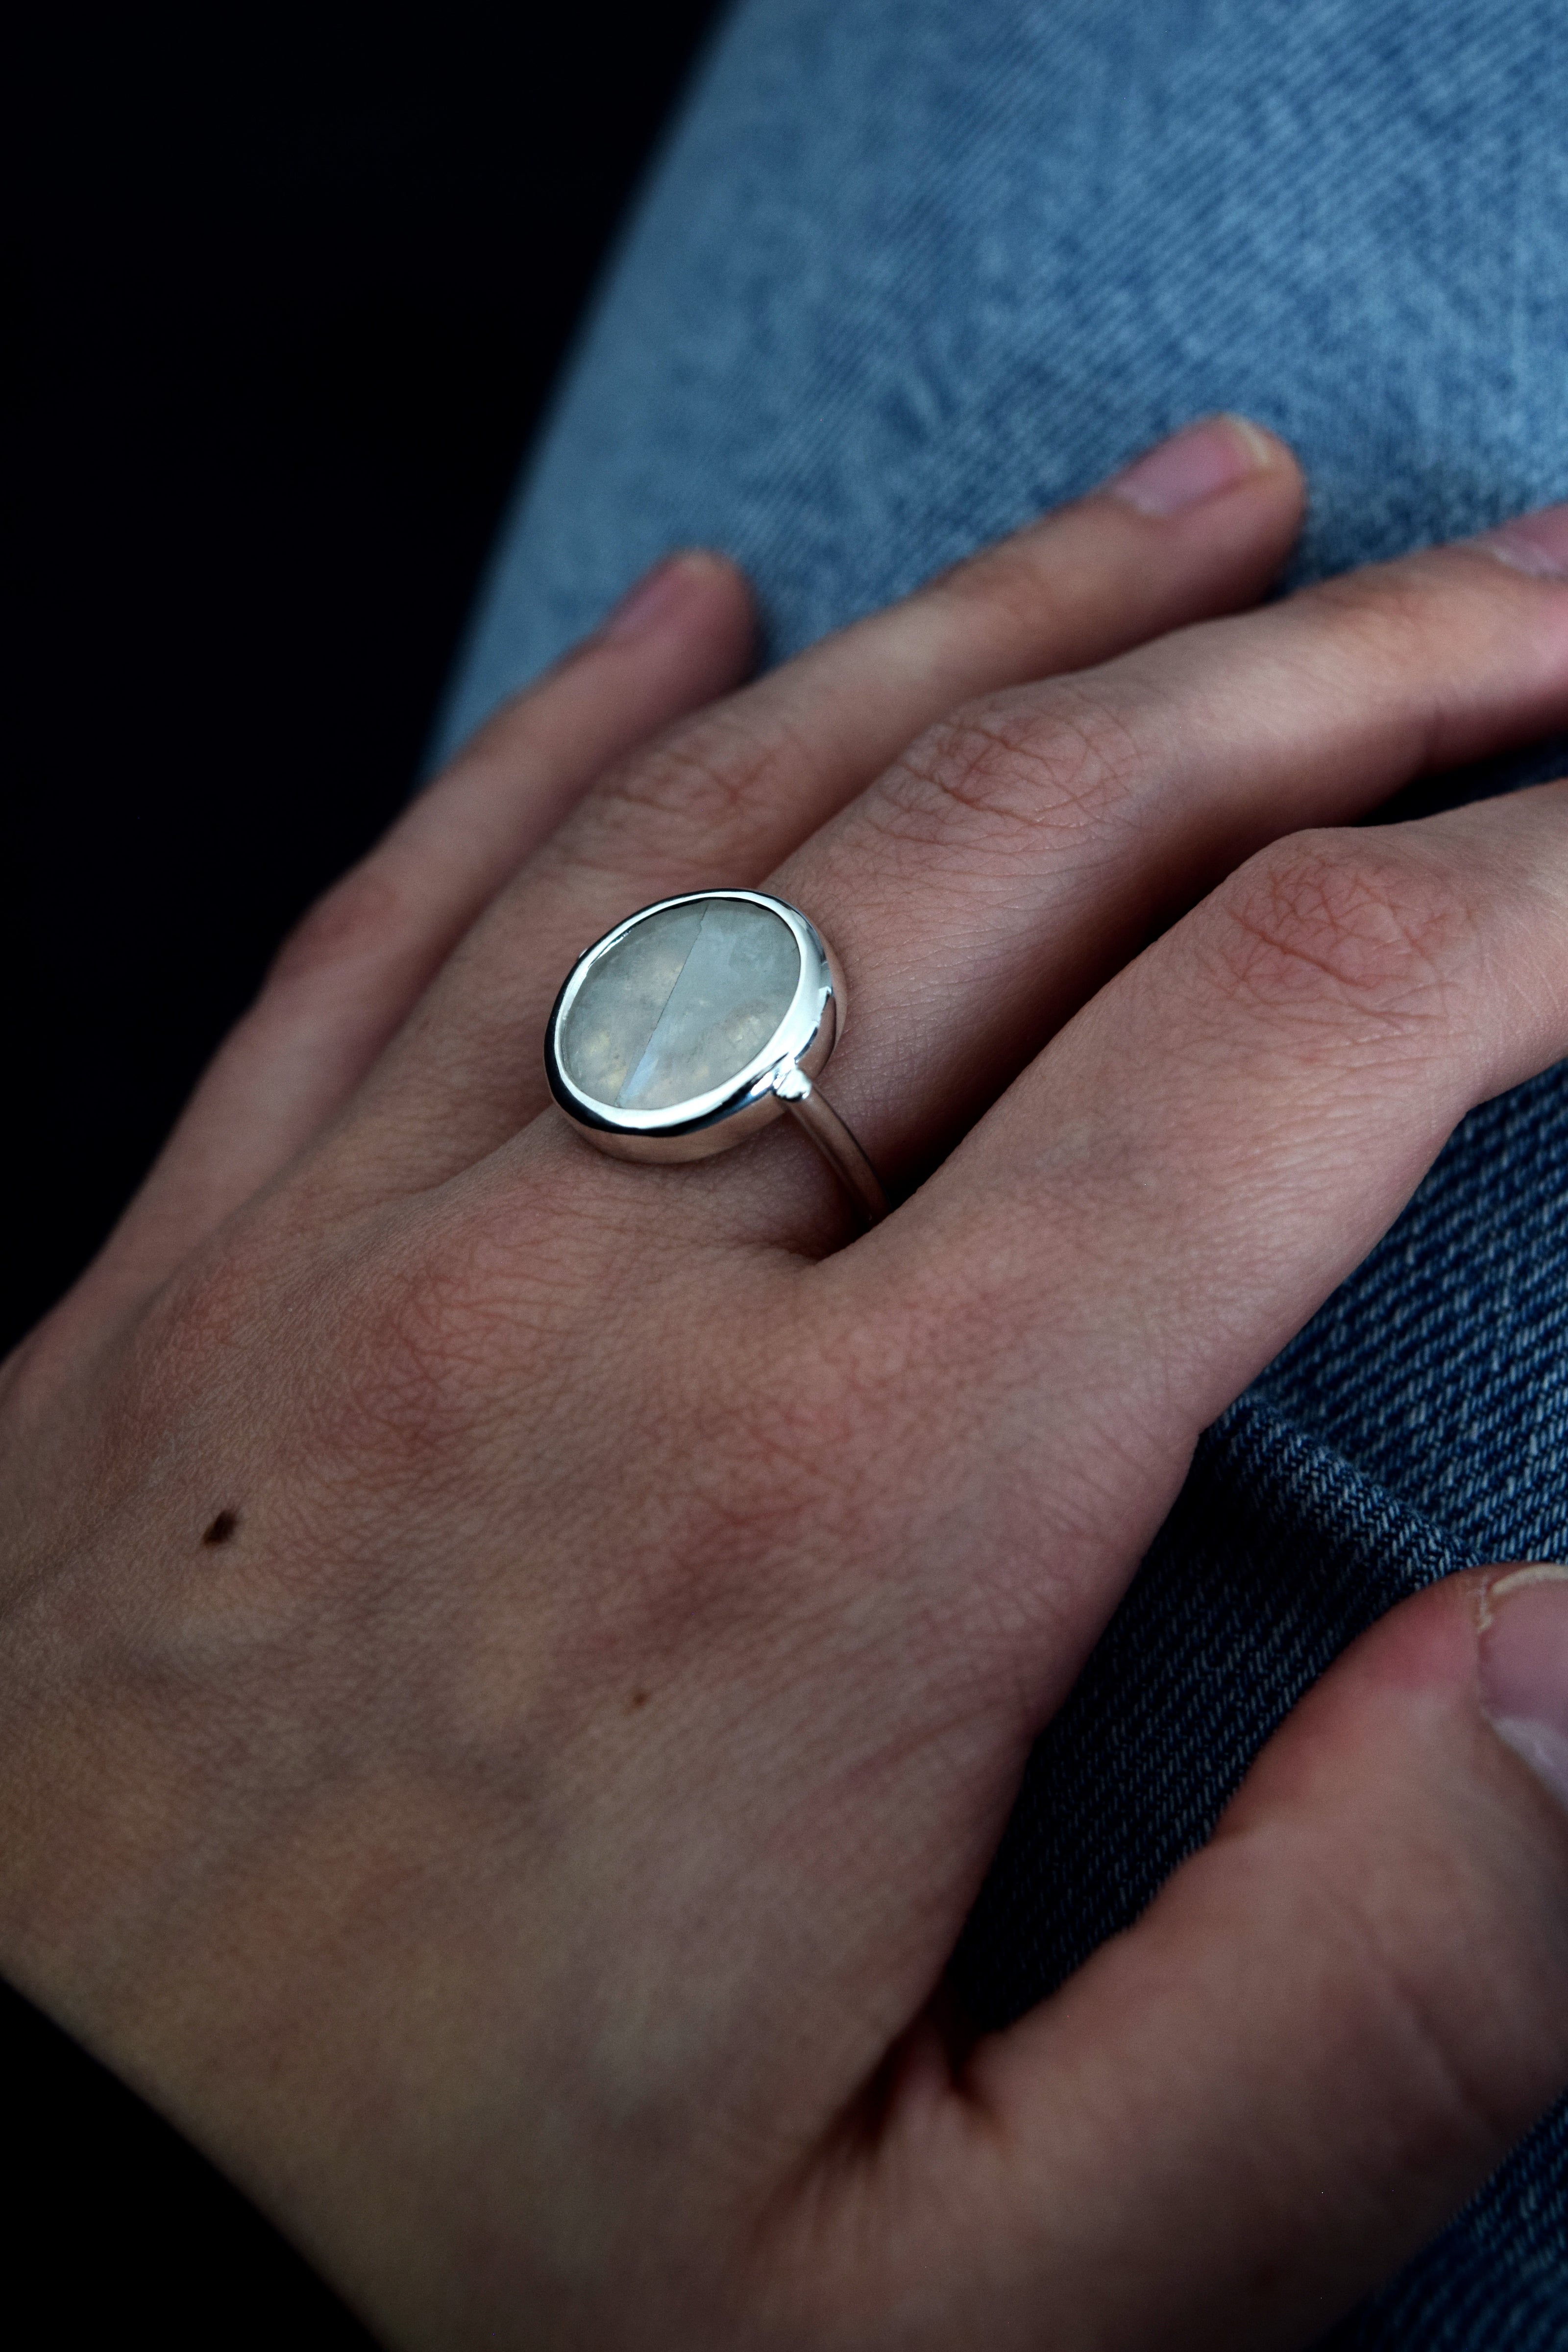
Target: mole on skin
222,1527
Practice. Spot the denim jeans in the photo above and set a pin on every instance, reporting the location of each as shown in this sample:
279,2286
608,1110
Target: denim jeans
909,270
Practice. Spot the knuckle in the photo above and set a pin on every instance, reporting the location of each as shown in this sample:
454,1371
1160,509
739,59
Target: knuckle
1408,622
771,1468
1009,582
187,1357
1330,926
394,1345
707,783
1060,762
423,1353
768,1456
1398,601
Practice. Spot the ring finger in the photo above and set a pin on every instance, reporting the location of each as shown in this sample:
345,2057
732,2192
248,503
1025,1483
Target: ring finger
1021,851
1197,527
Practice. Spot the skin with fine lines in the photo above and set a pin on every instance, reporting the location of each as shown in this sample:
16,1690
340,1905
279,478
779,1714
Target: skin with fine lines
513,1665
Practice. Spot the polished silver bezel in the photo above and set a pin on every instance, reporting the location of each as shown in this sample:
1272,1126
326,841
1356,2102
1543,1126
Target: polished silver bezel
709,1123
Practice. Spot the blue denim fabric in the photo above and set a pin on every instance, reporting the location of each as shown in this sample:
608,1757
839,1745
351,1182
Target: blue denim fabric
909,272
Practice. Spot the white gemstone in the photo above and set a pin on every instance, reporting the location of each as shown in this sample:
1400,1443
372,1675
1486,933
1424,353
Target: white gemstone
682,1005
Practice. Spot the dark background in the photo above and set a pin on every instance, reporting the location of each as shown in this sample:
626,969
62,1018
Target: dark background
289,292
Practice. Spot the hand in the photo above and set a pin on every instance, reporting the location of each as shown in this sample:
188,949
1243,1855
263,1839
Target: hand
515,1664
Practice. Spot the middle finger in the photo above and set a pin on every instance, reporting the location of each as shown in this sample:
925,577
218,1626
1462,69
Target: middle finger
1024,849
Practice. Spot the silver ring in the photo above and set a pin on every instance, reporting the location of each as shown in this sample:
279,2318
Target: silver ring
695,1023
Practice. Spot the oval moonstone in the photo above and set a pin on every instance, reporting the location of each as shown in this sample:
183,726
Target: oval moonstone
680,1005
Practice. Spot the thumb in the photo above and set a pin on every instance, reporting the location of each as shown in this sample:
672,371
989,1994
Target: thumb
1326,2030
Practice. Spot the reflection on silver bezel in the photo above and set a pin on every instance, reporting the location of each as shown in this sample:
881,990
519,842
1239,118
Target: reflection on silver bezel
709,1123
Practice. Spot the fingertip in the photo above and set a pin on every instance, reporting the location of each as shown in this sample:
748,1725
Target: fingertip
1522,1642
685,632
683,591
722,572
1271,453
1535,544
710,572
1203,462
735,616
1497,1638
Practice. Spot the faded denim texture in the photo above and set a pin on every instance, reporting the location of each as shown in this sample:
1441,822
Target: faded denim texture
908,273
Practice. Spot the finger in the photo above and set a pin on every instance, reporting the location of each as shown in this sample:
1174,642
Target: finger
350,972
1324,2034
1185,1175
1022,850
723,799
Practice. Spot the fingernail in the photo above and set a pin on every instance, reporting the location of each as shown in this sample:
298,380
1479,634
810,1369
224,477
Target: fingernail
1533,542
1524,1667
650,601
1195,464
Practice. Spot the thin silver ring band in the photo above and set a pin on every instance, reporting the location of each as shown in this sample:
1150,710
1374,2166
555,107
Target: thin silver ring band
837,1142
